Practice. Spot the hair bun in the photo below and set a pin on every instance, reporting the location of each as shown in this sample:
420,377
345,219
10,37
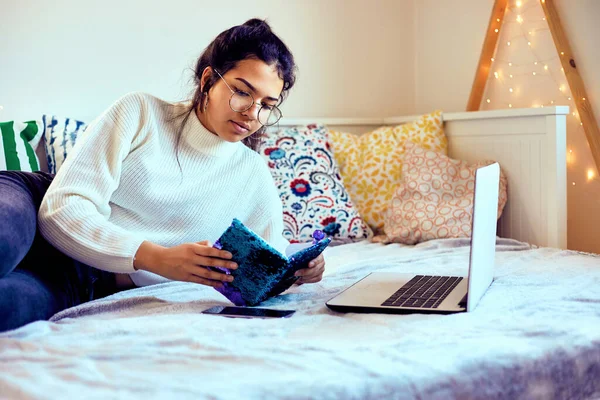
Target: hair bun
257,23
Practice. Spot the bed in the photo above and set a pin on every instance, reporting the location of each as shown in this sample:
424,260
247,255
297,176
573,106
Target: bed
534,335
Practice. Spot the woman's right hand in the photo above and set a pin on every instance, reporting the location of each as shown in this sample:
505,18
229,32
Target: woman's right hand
186,262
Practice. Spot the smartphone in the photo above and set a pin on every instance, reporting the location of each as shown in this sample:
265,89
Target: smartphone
248,312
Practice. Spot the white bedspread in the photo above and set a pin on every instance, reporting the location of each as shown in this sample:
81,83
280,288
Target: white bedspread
534,335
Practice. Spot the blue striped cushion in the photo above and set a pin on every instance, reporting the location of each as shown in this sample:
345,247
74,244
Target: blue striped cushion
60,135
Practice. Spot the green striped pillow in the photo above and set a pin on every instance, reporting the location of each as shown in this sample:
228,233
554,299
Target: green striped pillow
17,147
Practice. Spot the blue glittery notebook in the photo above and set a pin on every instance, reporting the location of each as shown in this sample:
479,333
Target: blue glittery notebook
262,272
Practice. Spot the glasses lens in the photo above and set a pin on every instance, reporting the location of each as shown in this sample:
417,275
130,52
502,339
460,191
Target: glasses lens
240,101
269,117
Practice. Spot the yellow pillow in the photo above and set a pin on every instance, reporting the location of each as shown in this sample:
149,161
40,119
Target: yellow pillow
371,164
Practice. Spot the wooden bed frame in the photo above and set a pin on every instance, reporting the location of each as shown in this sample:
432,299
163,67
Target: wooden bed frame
529,144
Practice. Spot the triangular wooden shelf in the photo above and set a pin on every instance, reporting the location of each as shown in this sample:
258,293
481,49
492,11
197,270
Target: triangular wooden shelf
561,43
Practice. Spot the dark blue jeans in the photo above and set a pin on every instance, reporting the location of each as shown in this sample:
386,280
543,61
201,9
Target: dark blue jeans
36,279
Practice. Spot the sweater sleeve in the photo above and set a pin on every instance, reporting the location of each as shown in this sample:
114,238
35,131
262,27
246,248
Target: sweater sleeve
273,229
74,214
267,216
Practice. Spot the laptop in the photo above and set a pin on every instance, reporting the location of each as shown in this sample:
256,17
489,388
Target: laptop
396,293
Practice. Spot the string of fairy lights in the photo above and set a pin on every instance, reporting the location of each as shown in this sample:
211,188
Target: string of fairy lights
509,71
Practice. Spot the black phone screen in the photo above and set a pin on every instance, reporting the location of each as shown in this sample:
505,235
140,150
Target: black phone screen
248,312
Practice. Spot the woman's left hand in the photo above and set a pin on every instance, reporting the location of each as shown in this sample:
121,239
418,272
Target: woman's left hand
314,272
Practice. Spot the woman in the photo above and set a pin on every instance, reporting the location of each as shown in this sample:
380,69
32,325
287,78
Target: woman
149,186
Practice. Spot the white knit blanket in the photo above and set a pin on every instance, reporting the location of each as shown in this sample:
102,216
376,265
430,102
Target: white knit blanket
534,335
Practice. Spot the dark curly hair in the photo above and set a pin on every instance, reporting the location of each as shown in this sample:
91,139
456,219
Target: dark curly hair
252,40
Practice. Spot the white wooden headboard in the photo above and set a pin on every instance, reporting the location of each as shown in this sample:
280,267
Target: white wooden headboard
529,144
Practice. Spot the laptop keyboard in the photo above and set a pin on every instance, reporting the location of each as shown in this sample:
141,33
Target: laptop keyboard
423,291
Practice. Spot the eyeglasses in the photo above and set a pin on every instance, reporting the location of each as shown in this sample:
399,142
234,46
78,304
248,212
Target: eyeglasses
242,101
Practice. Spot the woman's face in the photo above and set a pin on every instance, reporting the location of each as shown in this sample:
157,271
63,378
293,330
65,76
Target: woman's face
249,76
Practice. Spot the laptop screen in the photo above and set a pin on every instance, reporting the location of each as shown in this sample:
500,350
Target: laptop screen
483,235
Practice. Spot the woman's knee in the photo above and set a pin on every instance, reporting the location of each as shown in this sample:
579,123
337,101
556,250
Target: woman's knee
25,298
18,213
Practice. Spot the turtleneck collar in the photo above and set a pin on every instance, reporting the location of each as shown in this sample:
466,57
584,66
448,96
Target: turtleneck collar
206,142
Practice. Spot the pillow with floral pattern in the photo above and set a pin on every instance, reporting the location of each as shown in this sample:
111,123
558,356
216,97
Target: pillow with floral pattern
310,186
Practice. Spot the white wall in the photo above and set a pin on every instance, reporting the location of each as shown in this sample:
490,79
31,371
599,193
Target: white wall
449,35
580,20
75,57
356,59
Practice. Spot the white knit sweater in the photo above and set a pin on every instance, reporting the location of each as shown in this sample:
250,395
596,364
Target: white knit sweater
122,185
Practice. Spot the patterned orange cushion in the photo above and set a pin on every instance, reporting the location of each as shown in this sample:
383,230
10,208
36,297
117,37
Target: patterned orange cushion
434,199
371,164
